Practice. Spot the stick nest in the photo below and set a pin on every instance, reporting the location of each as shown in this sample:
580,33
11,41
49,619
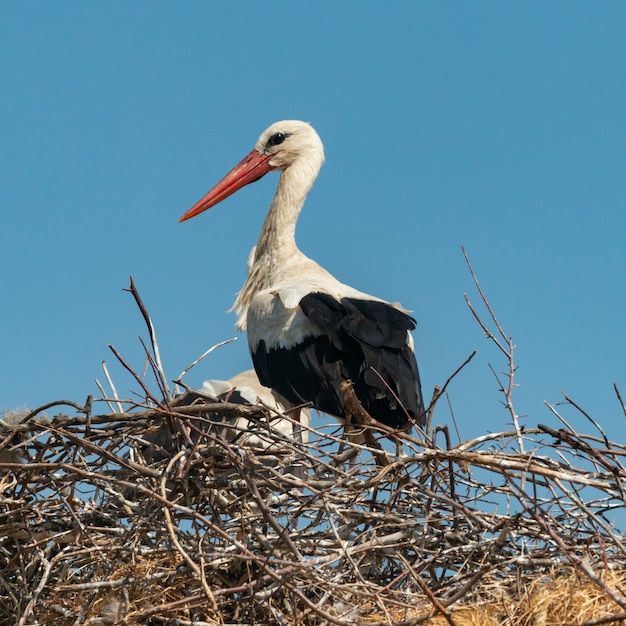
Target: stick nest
508,528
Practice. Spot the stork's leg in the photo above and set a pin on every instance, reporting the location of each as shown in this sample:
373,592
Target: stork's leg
297,469
349,436
297,426
398,443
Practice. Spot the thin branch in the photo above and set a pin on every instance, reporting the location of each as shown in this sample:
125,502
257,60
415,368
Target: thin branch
619,398
204,354
136,376
105,369
153,340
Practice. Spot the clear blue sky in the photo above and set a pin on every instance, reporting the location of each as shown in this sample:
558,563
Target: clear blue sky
495,126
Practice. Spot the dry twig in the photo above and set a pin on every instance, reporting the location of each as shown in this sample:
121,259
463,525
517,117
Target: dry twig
222,532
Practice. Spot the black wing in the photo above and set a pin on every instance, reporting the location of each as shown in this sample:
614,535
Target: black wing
364,341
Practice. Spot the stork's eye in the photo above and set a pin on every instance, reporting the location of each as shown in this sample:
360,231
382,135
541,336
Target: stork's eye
276,139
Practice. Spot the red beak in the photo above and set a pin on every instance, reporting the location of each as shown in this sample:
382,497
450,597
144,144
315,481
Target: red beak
250,169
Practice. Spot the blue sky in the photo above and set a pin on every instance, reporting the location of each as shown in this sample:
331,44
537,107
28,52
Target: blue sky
495,126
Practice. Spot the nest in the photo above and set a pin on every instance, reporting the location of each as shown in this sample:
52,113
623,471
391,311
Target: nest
508,528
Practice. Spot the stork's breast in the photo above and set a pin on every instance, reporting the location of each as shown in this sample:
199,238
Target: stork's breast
275,317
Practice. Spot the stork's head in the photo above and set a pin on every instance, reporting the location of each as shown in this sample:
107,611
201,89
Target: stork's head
282,145
288,141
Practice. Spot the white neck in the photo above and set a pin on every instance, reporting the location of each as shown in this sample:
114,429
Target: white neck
276,246
277,240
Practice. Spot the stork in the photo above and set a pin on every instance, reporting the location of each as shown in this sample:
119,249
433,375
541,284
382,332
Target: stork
243,388
308,333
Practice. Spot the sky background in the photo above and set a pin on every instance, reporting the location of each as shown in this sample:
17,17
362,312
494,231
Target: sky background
499,127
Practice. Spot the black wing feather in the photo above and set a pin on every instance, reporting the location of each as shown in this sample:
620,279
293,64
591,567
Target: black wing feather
364,341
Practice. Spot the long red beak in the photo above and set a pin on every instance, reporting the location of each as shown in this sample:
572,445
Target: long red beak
251,168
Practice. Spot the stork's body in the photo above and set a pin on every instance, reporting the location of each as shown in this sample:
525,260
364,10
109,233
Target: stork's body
308,333
243,388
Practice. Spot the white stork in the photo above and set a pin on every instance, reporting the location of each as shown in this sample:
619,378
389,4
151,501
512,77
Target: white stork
308,333
243,388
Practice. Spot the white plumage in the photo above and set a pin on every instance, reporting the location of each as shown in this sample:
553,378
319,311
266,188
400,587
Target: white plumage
243,388
308,332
